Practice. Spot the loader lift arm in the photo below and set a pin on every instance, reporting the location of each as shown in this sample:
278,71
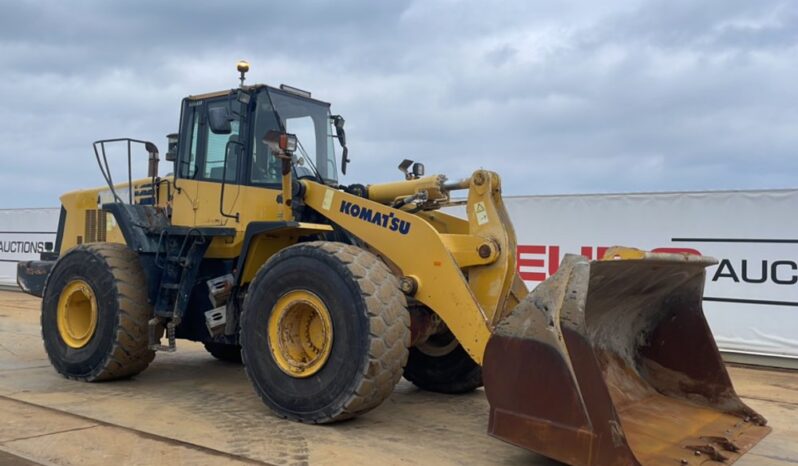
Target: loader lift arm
429,259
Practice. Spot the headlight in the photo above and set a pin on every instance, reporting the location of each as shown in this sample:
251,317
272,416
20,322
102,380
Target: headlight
280,143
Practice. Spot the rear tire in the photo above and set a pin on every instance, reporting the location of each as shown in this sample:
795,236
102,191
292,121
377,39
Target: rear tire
442,365
224,351
365,351
114,344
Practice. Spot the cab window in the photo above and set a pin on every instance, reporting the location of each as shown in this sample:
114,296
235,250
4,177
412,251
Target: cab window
213,164
265,168
188,160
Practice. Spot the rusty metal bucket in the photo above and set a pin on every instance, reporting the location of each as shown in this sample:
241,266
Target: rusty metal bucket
612,363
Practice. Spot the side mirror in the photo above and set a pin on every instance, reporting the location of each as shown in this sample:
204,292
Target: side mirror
219,120
344,160
338,122
171,152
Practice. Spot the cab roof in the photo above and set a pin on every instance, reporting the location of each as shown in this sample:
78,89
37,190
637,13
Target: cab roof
252,89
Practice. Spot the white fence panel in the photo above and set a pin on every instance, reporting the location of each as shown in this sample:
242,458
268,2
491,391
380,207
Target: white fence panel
24,233
751,296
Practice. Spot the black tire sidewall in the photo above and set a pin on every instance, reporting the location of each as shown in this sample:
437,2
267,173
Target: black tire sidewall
81,264
224,351
322,394
454,372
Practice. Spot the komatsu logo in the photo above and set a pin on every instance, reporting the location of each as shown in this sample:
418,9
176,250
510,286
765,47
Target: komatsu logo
388,221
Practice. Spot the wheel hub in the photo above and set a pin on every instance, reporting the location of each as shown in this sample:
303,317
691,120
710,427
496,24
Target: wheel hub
439,344
77,314
300,333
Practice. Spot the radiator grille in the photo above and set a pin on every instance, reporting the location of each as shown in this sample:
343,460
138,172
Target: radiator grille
95,226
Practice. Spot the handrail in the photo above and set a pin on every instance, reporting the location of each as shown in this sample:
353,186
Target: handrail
105,169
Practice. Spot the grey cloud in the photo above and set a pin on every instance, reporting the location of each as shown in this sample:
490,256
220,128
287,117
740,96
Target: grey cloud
559,97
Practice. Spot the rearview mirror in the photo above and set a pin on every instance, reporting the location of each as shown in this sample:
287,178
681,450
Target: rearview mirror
219,120
171,152
338,122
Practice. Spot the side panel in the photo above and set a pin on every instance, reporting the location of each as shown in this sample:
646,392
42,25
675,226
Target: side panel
85,221
77,204
184,202
251,203
264,239
208,203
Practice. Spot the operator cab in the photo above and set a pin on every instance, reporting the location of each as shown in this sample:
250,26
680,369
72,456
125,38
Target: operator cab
221,135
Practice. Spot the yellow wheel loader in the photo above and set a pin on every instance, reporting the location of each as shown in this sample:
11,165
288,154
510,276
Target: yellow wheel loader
330,293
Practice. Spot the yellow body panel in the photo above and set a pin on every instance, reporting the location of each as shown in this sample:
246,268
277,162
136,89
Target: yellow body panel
81,205
444,222
197,204
184,202
265,245
76,204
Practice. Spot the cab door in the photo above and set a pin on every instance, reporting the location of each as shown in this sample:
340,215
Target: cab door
184,200
209,166
221,155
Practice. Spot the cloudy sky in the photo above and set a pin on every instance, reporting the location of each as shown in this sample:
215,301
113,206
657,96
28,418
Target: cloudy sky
573,96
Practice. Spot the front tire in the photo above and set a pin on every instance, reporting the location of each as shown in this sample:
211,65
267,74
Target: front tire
95,314
324,332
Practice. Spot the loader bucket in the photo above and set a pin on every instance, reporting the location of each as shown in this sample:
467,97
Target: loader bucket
612,363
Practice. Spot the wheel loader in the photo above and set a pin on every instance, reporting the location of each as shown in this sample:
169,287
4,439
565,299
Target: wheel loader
330,293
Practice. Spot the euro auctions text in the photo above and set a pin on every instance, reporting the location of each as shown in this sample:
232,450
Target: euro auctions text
23,247
538,262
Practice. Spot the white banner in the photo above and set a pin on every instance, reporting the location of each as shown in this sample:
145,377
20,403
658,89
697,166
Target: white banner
24,234
751,296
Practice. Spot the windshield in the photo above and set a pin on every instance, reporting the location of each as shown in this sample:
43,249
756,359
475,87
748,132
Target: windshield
309,120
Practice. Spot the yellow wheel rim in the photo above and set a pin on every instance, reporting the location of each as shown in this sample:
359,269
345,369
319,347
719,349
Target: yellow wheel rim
77,314
300,333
